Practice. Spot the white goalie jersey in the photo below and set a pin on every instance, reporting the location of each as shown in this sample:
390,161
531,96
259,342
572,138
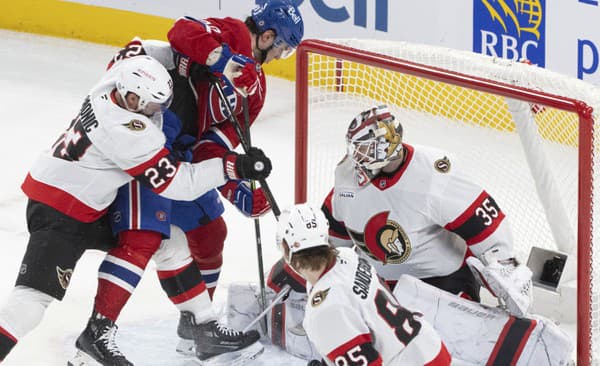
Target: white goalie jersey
105,147
423,220
352,318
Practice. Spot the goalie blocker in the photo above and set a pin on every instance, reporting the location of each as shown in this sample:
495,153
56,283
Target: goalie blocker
475,334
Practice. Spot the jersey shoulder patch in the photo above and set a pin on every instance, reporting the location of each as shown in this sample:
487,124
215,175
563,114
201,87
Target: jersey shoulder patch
135,125
442,165
319,297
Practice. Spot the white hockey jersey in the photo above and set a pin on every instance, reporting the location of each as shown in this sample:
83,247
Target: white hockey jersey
424,220
103,148
353,319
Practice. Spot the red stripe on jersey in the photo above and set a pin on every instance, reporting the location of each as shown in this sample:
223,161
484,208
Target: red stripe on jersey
486,233
358,341
140,169
60,200
383,182
336,235
158,172
134,209
443,358
8,335
477,223
337,229
190,294
462,218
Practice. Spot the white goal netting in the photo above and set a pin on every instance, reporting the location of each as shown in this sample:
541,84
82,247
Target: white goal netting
534,167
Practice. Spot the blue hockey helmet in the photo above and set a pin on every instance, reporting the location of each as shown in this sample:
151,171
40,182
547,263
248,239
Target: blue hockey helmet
283,17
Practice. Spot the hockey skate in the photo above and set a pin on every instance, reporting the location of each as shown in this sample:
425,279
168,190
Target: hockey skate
96,345
214,344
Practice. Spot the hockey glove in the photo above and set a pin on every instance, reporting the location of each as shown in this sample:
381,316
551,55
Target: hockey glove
228,64
250,203
248,82
282,274
254,165
182,147
315,363
506,279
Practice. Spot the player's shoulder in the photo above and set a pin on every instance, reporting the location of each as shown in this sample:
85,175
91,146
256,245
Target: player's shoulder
432,160
345,176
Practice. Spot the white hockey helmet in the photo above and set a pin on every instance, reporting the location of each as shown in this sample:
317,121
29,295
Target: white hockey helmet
302,227
374,139
149,80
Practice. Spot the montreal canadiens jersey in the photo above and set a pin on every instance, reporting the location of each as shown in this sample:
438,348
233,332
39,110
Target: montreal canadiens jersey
353,319
103,148
207,118
423,220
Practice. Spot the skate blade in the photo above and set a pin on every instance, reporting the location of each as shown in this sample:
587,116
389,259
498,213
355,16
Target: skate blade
82,359
236,358
186,347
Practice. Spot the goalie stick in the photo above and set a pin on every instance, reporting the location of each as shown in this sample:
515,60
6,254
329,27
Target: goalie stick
284,291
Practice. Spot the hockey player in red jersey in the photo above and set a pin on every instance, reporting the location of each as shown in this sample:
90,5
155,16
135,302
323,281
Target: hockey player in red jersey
114,138
233,50
351,316
410,210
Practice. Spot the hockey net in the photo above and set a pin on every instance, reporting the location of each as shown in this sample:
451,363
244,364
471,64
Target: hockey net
539,170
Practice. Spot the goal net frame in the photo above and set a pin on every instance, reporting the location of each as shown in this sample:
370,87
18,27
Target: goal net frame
537,97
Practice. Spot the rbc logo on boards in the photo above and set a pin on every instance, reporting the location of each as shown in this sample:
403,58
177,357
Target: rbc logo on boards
511,29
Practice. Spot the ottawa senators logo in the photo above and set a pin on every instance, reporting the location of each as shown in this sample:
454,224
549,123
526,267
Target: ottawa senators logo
135,125
442,165
383,240
64,276
319,297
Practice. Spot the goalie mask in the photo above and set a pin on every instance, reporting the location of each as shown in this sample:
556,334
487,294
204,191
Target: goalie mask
374,139
302,227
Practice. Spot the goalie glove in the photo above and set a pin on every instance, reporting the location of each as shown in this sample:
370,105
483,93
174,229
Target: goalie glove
506,279
252,203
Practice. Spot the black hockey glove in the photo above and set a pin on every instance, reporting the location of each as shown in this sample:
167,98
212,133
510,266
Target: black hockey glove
188,68
315,363
254,165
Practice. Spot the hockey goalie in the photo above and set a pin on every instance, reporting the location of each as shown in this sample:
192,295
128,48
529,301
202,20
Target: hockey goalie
475,334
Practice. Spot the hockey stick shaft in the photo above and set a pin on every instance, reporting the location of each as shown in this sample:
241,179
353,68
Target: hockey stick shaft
284,291
257,235
214,80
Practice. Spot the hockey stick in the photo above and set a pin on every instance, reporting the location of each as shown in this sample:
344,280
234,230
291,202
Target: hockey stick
284,291
215,81
259,255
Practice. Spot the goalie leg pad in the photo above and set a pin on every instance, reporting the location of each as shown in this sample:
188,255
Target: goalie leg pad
284,322
475,333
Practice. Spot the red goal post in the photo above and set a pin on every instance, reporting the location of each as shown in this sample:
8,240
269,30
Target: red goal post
342,75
